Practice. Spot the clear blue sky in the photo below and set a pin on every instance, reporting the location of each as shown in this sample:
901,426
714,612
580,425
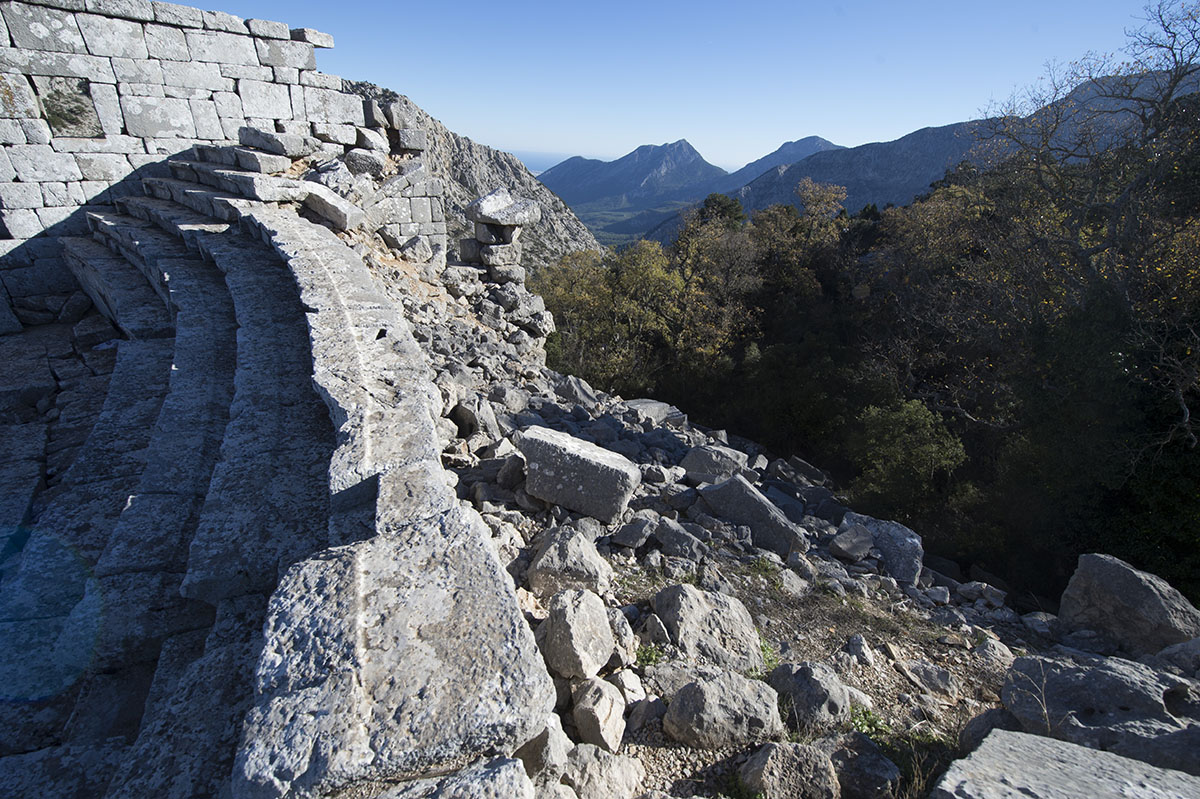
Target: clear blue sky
734,79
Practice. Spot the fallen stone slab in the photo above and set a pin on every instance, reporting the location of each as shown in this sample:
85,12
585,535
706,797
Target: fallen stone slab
363,674
1141,611
1014,764
578,475
1111,704
741,503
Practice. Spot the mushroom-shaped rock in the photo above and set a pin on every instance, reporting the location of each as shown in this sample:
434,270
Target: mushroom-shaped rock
499,208
576,474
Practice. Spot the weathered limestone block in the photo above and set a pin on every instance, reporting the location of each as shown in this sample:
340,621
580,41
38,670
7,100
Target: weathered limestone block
710,463
568,559
314,37
1011,764
741,503
289,144
790,770
726,710
153,117
221,47
276,53
710,627
1141,611
577,474
35,27
107,36
326,105
39,163
363,676
268,100
1114,704
576,638
17,100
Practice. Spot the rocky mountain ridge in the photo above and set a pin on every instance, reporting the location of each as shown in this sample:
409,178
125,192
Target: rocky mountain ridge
469,170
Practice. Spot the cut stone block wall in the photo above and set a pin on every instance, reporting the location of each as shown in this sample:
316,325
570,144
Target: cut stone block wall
95,94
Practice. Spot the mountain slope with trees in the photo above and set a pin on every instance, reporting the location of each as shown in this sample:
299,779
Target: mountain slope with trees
1010,363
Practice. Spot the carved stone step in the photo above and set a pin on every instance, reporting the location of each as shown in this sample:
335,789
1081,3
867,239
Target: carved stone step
118,290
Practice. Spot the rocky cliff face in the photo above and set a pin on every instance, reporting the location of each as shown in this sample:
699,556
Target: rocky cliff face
470,170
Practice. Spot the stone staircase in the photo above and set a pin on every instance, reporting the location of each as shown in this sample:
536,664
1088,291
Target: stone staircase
176,603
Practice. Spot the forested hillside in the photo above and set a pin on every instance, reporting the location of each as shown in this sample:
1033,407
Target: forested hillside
1009,363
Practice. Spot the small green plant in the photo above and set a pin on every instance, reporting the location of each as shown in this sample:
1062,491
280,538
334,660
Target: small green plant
649,654
869,723
769,571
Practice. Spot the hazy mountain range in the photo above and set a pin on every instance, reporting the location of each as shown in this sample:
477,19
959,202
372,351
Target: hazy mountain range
623,199
646,190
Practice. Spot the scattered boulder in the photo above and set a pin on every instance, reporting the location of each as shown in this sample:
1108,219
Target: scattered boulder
545,756
1139,610
790,771
576,474
576,637
678,542
724,710
812,694
599,713
712,462
1111,704
1009,764
1185,656
568,559
852,544
709,627
863,771
901,548
741,503
595,774
928,678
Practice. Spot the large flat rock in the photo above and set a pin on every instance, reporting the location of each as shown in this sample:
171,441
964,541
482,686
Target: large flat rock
1008,765
741,503
577,474
388,657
